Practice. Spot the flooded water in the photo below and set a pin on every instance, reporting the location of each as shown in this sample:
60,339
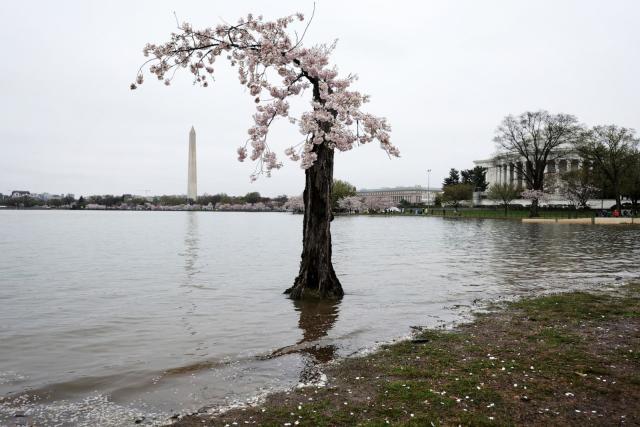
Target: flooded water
108,318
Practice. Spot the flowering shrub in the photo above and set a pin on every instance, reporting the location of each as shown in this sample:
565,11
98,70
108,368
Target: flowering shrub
538,195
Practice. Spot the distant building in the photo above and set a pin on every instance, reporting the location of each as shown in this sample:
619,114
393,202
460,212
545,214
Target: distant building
417,194
42,196
503,169
17,193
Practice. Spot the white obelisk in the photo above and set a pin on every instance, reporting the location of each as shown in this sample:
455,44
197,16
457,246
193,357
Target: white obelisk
192,186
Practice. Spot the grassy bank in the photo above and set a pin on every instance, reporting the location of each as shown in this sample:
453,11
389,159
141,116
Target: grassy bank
568,359
510,214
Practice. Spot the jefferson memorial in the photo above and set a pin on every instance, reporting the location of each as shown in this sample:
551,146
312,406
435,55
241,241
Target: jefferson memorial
503,169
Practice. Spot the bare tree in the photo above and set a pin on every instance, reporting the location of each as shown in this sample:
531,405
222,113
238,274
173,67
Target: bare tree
531,140
631,181
504,194
351,204
610,149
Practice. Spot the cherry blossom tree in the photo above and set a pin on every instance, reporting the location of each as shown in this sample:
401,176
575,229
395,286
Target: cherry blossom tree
537,197
378,203
295,204
276,67
578,187
351,204
339,190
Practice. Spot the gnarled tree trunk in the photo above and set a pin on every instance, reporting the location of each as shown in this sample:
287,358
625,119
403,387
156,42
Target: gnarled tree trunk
316,278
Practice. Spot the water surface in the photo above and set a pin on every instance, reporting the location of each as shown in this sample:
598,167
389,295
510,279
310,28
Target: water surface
108,317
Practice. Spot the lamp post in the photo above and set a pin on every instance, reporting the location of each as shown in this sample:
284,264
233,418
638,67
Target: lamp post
428,188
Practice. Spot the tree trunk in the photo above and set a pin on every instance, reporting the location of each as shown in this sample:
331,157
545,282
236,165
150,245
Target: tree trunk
316,278
533,209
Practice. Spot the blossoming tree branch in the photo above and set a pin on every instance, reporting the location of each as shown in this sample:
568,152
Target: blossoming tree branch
275,67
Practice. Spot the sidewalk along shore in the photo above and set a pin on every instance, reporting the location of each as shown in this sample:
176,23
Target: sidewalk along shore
563,359
596,220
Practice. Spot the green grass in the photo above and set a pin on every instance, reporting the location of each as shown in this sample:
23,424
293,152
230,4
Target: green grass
580,306
515,214
511,214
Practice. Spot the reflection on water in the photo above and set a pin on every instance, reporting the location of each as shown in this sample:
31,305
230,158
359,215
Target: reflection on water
316,319
191,238
180,312
190,303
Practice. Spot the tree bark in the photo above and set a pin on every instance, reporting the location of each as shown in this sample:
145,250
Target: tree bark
533,209
316,278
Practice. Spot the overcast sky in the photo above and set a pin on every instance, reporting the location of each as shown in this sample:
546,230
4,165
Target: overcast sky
444,73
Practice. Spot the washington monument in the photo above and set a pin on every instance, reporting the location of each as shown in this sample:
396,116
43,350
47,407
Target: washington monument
192,186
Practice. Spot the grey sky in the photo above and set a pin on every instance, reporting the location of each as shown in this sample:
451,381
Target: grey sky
444,73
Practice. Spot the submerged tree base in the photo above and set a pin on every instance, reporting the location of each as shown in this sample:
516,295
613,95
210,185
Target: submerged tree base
308,286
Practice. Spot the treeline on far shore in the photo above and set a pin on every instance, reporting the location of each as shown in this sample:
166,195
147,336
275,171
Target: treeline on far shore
127,201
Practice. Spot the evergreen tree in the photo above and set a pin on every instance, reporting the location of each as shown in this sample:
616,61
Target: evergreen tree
452,179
